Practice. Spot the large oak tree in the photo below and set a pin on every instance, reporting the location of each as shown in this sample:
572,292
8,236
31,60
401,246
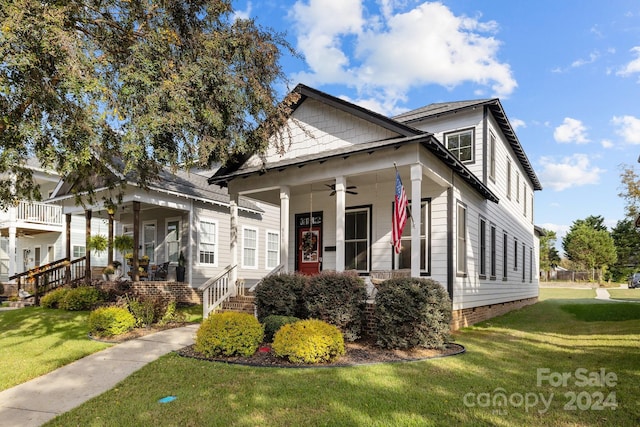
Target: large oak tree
141,84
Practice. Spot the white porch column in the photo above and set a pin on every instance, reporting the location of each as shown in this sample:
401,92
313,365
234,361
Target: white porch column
416,202
285,194
233,245
341,185
12,249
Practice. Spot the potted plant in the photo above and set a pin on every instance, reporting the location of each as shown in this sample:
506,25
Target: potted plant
180,269
108,273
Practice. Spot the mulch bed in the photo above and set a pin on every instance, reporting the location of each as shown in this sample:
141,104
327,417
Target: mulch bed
362,352
357,353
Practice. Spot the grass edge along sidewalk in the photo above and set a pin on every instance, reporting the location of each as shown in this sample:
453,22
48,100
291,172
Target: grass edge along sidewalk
550,364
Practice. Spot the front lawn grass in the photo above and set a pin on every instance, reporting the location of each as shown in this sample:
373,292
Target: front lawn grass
625,294
503,358
34,341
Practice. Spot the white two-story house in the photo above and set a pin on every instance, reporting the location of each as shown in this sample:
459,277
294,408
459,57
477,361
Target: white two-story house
469,183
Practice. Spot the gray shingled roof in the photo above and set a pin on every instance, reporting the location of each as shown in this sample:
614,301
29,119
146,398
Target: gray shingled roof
494,105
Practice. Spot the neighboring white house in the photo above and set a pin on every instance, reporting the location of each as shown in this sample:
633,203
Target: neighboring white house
179,213
462,161
32,233
182,213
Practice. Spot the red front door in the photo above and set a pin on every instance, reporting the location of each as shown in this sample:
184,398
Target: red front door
309,250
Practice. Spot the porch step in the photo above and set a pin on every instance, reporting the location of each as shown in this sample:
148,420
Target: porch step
240,304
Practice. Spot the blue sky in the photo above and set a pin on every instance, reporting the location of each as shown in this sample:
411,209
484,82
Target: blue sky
567,73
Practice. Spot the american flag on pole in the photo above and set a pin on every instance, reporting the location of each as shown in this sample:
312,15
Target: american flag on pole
399,214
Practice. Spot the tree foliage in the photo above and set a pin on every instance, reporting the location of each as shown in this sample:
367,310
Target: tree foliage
140,84
630,191
589,245
549,256
627,241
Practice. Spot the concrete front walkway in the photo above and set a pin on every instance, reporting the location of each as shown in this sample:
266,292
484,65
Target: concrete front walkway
602,293
37,401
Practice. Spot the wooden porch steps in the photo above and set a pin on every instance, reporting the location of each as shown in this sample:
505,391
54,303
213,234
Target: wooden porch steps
240,304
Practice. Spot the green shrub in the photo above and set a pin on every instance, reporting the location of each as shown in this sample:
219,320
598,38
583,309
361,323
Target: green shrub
110,321
308,341
274,322
171,314
229,334
281,294
52,299
412,312
82,298
147,310
339,299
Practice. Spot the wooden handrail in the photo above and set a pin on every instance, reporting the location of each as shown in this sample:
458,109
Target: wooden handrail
53,275
217,290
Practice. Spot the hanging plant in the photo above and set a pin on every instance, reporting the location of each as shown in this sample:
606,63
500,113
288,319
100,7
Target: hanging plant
123,244
98,243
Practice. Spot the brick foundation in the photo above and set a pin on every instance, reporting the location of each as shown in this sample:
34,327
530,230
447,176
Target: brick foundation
459,318
470,316
181,292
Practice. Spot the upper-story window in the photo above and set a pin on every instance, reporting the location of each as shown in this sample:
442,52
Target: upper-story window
461,144
492,156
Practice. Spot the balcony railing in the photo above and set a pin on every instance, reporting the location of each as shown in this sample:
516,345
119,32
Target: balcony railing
39,213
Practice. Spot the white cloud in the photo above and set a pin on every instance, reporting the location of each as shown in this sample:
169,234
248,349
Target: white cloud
387,54
571,130
573,171
517,124
633,66
628,127
593,57
606,143
243,14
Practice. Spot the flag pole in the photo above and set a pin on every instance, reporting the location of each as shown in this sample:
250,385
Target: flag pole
413,224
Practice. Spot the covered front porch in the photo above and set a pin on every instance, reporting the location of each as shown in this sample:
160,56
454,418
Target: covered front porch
336,210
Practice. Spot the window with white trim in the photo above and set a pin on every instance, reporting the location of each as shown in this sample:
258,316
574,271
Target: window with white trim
78,251
403,259
461,232
149,240
249,247
207,241
492,156
461,144
356,239
272,249
172,240
483,248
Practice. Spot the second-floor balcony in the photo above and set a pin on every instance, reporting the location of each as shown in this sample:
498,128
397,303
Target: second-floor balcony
35,215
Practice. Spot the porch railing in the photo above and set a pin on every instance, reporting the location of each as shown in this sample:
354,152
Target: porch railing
39,213
217,290
276,270
48,277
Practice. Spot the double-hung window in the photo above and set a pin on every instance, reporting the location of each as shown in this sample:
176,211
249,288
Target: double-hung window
249,247
403,259
461,144
273,249
207,242
461,232
356,239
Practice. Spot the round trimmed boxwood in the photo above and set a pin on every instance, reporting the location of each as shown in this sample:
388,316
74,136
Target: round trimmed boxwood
273,323
229,334
110,321
338,299
281,294
412,312
308,341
